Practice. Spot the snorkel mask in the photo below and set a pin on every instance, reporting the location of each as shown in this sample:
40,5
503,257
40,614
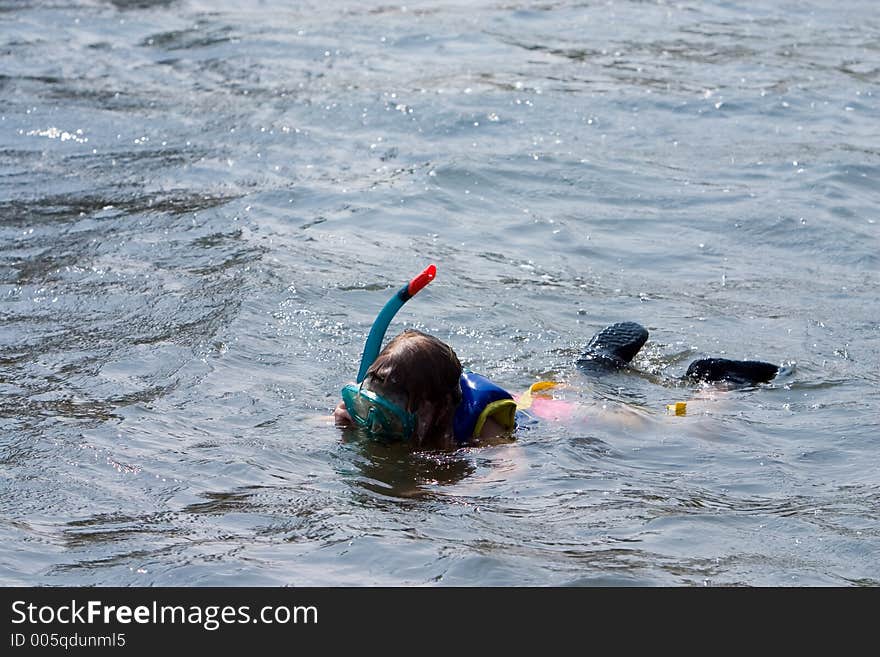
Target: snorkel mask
368,409
376,414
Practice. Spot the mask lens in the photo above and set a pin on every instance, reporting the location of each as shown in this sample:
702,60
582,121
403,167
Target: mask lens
376,414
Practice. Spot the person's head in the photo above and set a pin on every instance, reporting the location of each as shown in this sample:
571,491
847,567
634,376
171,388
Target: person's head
419,373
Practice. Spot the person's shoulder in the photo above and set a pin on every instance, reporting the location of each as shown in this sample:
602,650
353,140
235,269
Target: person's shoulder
493,432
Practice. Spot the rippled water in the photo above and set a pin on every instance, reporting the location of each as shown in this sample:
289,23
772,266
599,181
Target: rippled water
204,204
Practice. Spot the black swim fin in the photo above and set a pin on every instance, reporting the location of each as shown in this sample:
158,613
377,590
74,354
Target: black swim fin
741,372
613,347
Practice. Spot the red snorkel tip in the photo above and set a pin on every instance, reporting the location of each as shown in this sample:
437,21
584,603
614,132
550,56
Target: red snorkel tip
421,280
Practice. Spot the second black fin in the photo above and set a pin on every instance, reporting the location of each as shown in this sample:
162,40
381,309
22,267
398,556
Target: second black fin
742,372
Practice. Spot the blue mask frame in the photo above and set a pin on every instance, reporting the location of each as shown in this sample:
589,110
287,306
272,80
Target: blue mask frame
374,413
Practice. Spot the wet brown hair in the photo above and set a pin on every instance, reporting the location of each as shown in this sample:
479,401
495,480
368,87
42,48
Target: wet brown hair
423,371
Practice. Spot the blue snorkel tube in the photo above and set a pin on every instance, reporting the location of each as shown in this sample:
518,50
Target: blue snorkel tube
377,332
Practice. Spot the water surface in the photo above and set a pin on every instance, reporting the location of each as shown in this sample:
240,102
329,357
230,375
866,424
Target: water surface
204,204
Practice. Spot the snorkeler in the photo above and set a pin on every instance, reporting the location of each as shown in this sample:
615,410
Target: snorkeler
416,389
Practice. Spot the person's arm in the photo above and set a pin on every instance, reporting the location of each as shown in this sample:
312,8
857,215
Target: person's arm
341,416
492,429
